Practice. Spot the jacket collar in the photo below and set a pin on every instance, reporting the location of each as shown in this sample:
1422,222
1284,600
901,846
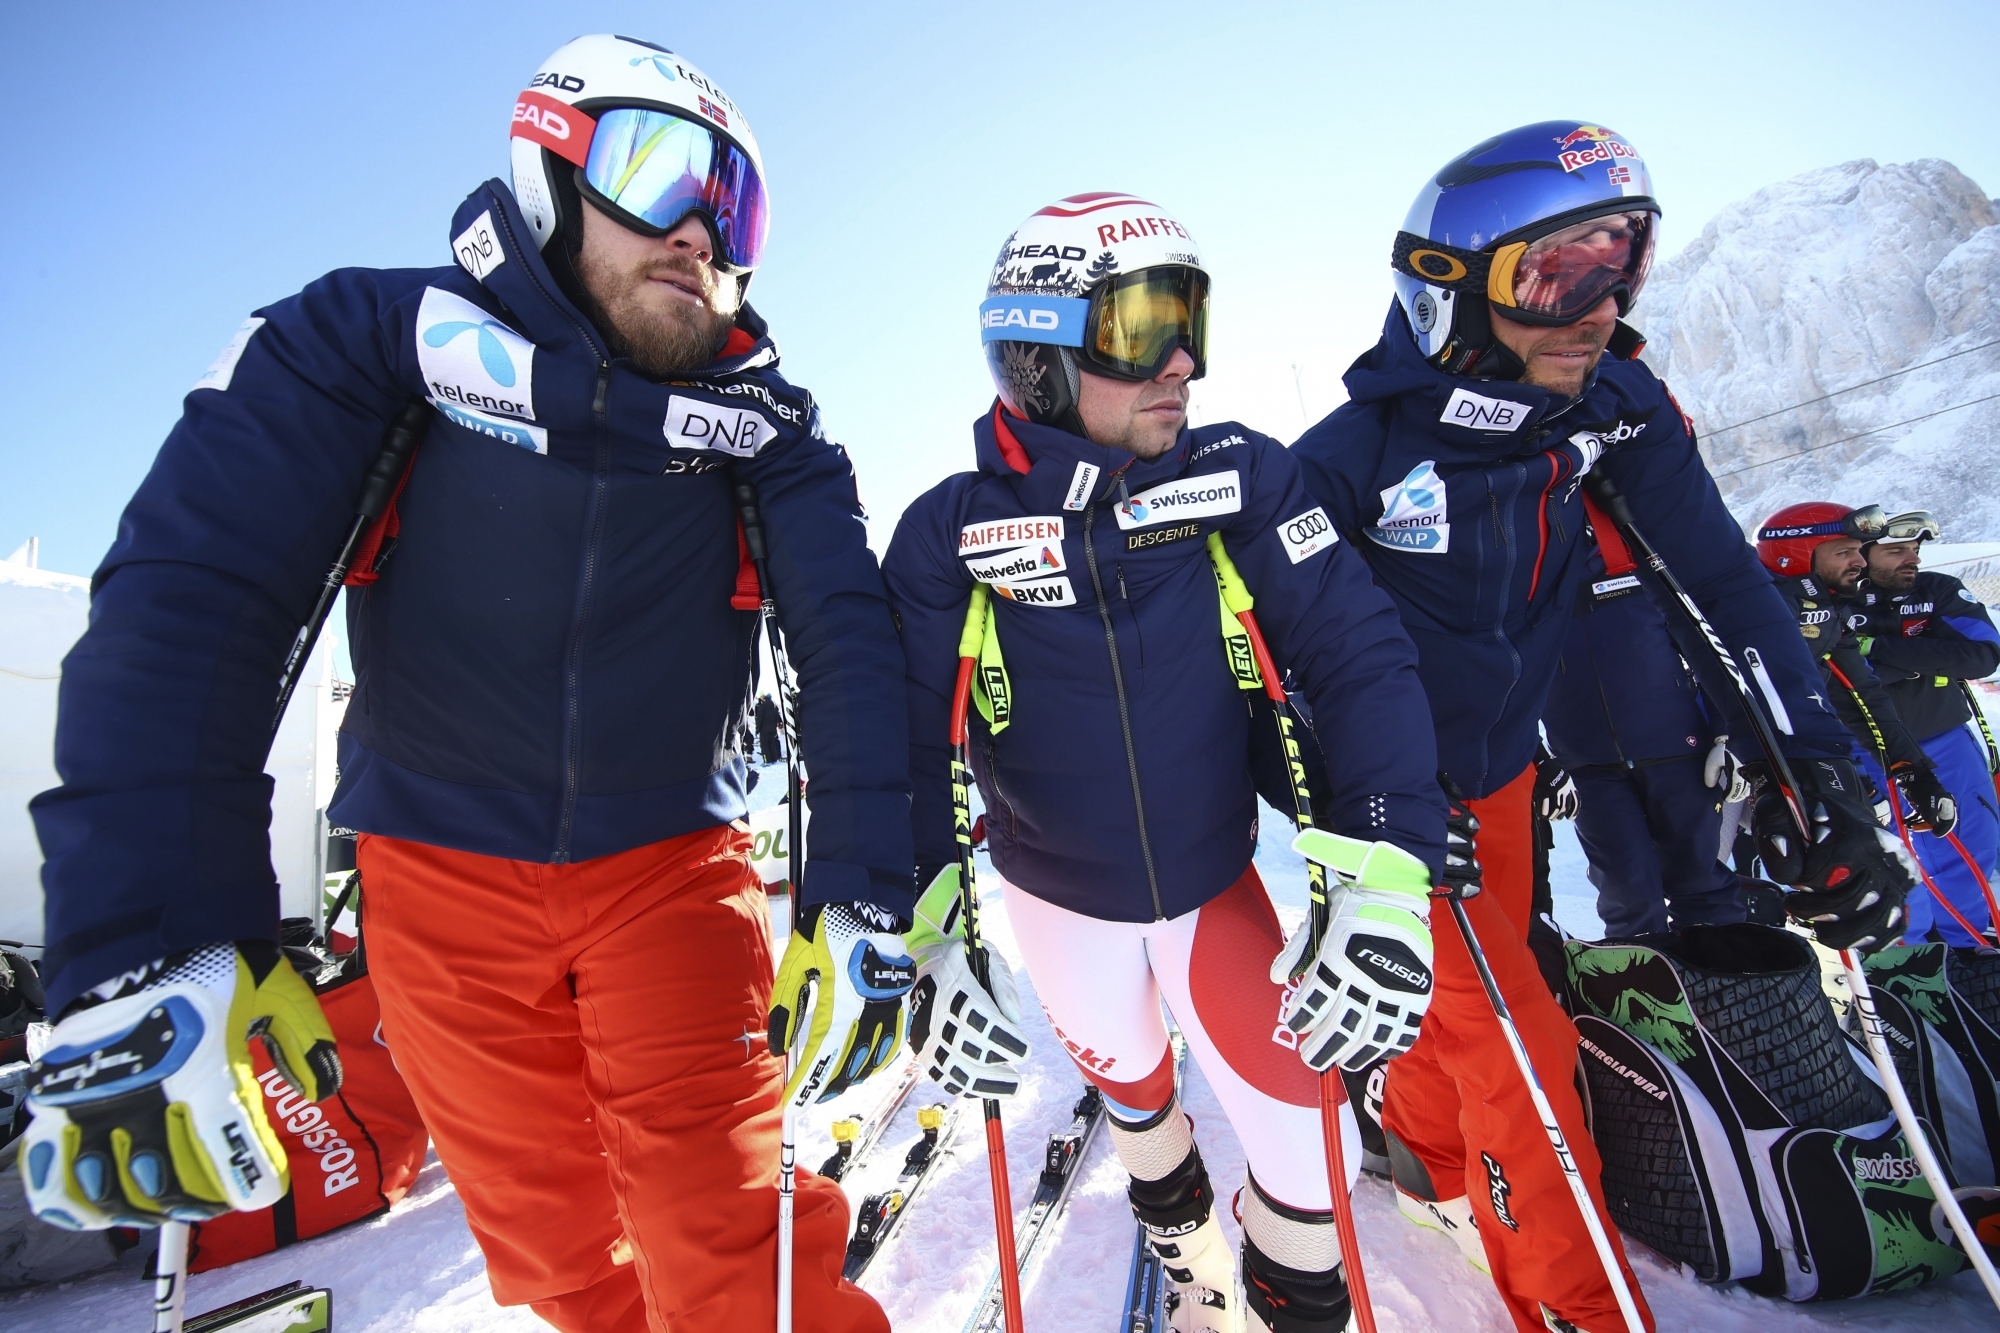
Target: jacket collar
489,240
1051,465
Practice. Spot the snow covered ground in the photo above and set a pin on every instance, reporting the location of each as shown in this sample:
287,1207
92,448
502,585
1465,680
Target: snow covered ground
417,1270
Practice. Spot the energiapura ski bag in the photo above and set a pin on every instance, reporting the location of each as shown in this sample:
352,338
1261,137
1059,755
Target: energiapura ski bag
1741,1132
1947,1053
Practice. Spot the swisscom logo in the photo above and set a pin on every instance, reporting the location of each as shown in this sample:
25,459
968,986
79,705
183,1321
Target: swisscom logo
471,359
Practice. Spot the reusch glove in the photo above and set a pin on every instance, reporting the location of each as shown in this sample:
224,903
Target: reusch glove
1848,882
837,1005
1365,993
145,1104
1723,772
967,1035
1935,811
1461,828
1555,789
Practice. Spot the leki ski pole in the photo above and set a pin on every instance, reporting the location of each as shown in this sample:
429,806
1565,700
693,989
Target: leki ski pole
378,486
969,641
767,609
1607,495
1332,1092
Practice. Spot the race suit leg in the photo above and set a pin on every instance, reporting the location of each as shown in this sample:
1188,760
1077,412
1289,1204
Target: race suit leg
1685,820
1612,826
1457,1101
586,1042
1101,983
1959,760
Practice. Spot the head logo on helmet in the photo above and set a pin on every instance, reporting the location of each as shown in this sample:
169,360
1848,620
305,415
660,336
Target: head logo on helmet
1542,223
647,138
1105,284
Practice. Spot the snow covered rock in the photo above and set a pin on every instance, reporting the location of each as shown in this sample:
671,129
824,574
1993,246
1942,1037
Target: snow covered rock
1784,329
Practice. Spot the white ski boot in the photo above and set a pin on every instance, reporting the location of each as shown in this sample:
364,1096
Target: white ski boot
1201,1278
1451,1216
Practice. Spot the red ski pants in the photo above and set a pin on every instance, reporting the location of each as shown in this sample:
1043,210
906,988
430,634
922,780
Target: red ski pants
1458,1101
586,1043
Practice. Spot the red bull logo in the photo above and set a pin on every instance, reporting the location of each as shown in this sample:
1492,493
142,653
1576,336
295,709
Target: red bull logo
1592,143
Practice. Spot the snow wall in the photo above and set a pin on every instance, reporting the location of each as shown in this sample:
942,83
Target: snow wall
41,614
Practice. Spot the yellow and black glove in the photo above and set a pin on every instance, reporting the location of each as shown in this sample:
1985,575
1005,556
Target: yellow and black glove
838,1003
145,1104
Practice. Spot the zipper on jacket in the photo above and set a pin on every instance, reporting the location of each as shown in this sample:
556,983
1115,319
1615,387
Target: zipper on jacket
573,658
993,773
1124,709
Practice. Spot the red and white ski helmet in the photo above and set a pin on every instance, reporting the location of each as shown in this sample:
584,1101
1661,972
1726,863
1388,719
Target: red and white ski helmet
557,117
1105,282
1787,539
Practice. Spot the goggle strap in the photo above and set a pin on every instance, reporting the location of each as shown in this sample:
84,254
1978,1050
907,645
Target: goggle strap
1443,265
556,126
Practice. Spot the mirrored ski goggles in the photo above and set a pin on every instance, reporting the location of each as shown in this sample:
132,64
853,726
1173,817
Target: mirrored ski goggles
654,168
1866,524
1563,276
1136,322
1915,526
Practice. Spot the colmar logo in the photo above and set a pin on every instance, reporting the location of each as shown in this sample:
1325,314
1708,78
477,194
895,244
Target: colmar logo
472,360
1039,592
694,424
1416,513
1307,534
1008,533
1190,497
1476,412
1027,562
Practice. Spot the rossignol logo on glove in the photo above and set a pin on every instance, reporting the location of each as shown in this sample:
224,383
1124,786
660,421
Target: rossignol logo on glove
301,1117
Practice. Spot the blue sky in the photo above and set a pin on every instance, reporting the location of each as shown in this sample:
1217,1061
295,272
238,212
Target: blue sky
177,165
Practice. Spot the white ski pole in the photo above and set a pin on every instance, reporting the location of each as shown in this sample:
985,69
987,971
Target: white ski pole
1606,494
170,1277
1601,1242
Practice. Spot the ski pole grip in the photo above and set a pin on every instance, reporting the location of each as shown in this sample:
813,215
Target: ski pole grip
1605,491
753,520
379,483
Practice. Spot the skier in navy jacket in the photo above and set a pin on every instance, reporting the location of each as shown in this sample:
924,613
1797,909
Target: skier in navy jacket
1456,468
553,669
1114,759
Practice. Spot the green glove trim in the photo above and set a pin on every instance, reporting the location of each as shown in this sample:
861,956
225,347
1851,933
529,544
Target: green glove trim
1380,866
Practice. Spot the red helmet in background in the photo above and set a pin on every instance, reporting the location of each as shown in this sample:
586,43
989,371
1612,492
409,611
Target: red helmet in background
1786,540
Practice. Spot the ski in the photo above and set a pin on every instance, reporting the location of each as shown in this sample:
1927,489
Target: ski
1060,1163
294,1307
875,1221
854,1137
1146,1283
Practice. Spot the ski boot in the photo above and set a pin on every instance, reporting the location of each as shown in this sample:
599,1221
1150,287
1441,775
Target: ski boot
1417,1199
1981,1206
1292,1281
1171,1197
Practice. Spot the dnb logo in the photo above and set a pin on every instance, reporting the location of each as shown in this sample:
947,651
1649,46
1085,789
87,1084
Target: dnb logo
471,360
1416,513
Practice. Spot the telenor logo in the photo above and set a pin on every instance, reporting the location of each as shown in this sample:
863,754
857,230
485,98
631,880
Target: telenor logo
492,352
472,360
1416,513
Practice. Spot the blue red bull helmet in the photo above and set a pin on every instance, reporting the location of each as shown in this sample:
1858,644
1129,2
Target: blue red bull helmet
1544,222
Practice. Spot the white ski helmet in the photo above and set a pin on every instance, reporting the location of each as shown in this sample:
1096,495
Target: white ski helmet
648,137
1103,282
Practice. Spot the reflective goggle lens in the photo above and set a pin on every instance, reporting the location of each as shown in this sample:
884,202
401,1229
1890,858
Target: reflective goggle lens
657,168
1867,522
1565,274
1915,526
1136,321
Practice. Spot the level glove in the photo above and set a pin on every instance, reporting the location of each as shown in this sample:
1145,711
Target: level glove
1934,809
967,1035
145,1104
1849,880
1364,993
1461,860
1723,772
838,1002
1555,789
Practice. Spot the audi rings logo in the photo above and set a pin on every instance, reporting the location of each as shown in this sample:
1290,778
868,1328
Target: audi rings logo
1307,526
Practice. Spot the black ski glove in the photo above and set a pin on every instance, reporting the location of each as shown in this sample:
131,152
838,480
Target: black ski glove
1848,882
1555,790
1461,861
1936,810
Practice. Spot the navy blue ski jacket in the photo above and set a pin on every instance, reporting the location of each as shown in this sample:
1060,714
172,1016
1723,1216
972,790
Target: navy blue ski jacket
1121,788
549,668
1465,497
1923,643
1622,697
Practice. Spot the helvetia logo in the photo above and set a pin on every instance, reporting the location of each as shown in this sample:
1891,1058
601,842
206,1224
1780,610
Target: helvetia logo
472,360
1025,562
1416,513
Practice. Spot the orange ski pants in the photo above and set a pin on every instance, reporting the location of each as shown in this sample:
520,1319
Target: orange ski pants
586,1043
1458,1102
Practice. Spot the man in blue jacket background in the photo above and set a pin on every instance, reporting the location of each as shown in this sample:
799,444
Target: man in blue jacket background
552,676
1456,467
